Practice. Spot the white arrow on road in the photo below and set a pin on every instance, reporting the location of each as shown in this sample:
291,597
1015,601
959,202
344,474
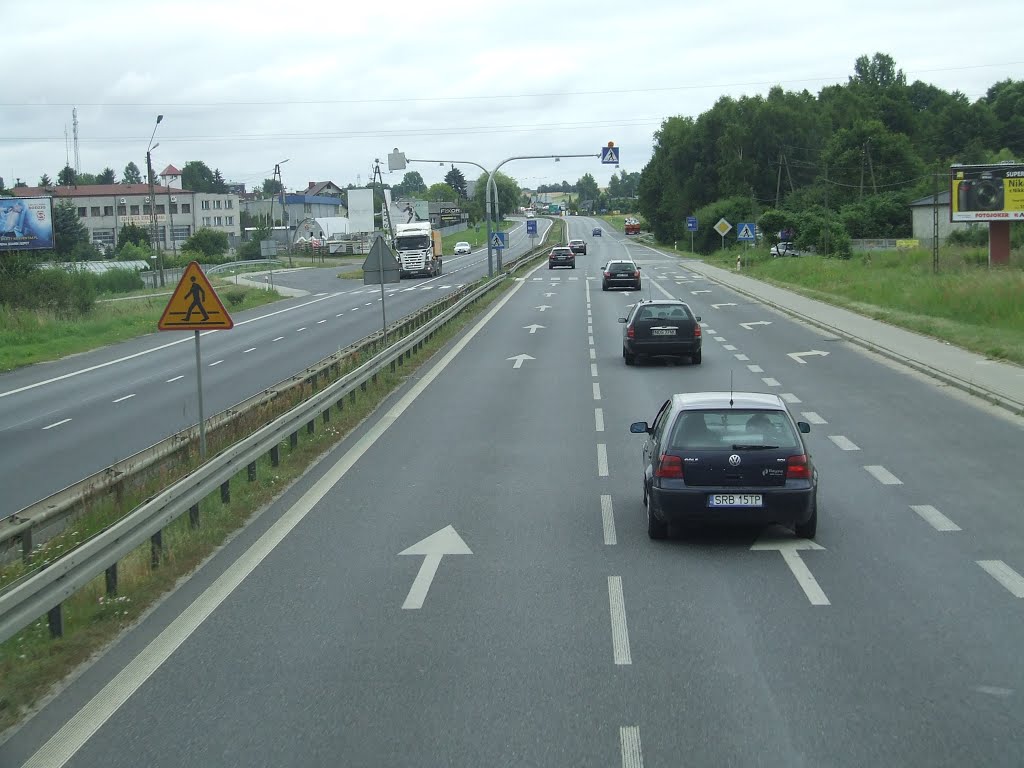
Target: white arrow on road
799,356
519,360
542,307
749,326
790,550
549,294
719,306
696,292
533,328
432,549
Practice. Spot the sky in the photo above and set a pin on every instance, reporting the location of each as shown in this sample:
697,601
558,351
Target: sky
331,87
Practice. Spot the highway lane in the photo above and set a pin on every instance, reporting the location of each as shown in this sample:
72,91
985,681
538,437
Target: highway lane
63,421
567,637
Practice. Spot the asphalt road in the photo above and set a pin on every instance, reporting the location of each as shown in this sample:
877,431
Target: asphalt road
65,420
544,628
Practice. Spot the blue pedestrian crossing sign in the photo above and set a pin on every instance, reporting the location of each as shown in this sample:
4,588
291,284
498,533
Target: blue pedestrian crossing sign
610,154
691,223
745,232
498,240
531,227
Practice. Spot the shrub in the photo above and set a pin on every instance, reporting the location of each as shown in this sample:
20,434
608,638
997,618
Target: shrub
235,297
119,281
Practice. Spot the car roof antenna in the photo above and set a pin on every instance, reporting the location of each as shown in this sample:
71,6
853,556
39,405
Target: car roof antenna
730,387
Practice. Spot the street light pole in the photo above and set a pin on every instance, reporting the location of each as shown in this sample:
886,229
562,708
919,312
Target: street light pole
490,183
152,198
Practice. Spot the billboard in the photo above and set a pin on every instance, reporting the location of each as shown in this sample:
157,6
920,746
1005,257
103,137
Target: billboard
26,223
987,192
360,210
450,214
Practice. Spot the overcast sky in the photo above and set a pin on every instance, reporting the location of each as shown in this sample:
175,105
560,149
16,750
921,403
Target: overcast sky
331,86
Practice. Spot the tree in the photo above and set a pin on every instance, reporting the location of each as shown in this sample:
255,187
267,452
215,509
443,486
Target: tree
66,177
68,230
131,174
219,185
456,181
587,189
45,181
440,192
132,234
107,176
271,187
412,184
508,193
85,179
196,176
209,242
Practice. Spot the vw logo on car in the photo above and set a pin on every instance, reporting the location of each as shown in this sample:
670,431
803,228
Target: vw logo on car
734,460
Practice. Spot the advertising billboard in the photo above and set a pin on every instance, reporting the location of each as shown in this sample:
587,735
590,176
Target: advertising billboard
26,223
360,210
449,214
987,192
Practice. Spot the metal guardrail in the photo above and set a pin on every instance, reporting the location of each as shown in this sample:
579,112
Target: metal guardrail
44,590
229,265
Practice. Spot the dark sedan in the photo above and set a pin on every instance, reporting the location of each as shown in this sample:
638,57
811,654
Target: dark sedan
561,256
578,246
620,274
727,457
661,328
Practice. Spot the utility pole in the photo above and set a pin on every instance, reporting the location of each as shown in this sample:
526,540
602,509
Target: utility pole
871,167
935,224
778,183
862,152
828,213
152,199
277,178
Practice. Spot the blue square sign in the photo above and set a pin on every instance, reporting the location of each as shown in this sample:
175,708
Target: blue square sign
745,231
531,227
691,223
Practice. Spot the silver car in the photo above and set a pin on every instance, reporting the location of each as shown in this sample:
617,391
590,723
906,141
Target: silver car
462,248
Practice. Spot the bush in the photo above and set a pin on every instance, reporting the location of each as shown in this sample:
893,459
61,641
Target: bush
209,242
235,297
974,235
132,252
119,281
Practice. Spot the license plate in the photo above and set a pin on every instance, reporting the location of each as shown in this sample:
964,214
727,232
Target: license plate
735,500
663,332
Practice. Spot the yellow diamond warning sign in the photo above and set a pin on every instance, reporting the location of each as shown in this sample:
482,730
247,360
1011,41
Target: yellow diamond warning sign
194,305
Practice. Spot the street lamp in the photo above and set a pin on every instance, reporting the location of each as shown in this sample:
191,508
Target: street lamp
152,198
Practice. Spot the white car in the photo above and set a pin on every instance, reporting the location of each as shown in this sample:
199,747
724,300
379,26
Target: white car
463,248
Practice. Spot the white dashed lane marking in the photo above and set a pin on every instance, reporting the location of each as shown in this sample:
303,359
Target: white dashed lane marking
883,475
122,399
1005,575
934,518
812,418
844,443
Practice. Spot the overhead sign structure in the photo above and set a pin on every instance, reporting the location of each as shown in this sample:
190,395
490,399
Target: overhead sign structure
498,240
26,223
610,154
987,192
746,232
691,223
194,305
723,227
531,227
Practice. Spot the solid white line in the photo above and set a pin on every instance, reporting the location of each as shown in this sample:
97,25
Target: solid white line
63,745
602,460
789,397
91,368
812,418
844,443
608,520
57,423
1005,575
883,475
216,363
597,391
934,518
770,382
593,354
742,357
620,633
175,378
632,754
599,419
729,347
122,399
593,369
278,338
755,369
804,577
247,351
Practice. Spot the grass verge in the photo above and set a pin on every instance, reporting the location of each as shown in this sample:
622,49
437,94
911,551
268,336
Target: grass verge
33,337
476,238
31,663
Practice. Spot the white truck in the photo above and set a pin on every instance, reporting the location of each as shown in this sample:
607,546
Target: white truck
419,249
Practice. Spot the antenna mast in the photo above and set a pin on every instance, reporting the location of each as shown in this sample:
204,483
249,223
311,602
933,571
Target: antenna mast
74,123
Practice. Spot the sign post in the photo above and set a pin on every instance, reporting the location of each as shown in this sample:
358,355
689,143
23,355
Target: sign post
381,267
195,296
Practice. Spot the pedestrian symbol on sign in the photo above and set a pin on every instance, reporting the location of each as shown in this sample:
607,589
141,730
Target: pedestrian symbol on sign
194,305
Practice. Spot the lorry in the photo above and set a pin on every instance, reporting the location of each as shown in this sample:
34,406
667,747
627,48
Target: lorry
632,226
419,249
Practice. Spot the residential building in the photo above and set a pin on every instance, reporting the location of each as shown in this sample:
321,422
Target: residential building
296,207
105,208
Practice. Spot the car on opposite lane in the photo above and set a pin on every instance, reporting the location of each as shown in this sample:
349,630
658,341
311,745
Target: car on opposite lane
727,457
620,273
561,256
462,247
661,328
578,246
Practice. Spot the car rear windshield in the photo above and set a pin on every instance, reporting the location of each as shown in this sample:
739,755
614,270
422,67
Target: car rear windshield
661,311
560,250
730,427
575,242
622,266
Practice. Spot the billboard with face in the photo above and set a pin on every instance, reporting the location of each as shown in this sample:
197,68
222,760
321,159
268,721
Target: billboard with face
987,192
26,223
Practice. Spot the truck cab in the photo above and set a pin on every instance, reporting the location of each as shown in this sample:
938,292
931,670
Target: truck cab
419,249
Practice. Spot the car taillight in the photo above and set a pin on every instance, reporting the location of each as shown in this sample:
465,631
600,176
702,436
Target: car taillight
607,274
696,331
637,273
630,332
669,466
797,468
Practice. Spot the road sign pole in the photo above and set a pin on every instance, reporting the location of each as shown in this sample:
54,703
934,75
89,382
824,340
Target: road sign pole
723,242
383,312
199,390
691,241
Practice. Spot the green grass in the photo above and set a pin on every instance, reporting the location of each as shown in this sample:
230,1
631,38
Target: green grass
472,236
615,221
31,662
33,337
351,274
965,303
